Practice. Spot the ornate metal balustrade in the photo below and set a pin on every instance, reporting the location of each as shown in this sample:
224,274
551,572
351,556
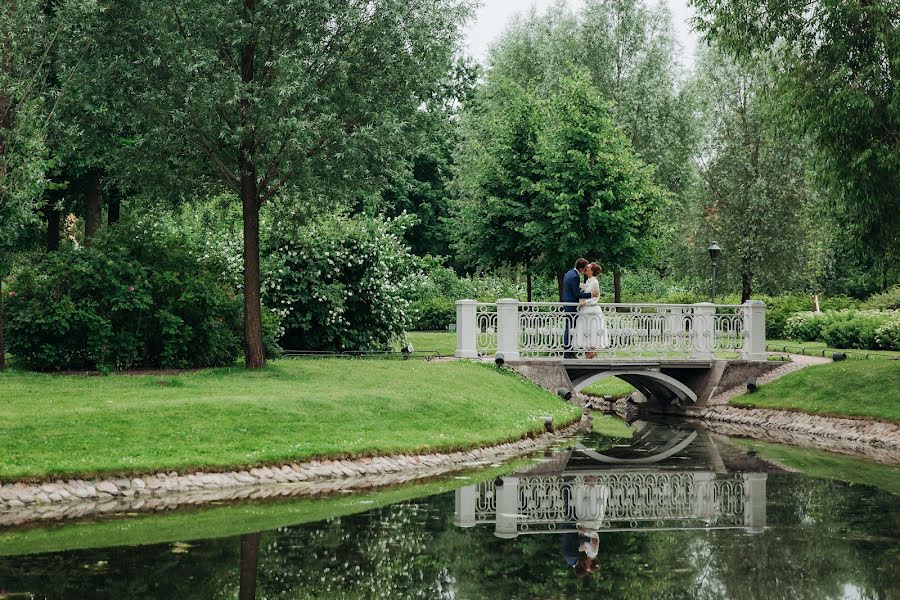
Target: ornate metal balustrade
548,329
615,501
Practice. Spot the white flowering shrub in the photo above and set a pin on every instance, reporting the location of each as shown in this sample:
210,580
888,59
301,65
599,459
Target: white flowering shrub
340,283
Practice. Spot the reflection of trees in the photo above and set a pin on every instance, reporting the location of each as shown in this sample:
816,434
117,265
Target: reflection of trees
824,536
205,570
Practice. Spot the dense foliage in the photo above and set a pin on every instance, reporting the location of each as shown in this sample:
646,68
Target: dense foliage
143,295
340,283
860,329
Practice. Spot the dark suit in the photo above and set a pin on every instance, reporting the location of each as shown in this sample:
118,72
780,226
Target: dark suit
571,292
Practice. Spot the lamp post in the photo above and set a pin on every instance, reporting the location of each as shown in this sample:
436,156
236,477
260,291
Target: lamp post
714,252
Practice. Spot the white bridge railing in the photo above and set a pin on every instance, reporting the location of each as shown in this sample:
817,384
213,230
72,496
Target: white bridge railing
513,330
615,501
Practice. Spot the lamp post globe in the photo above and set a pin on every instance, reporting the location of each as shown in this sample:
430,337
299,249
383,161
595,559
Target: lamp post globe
714,252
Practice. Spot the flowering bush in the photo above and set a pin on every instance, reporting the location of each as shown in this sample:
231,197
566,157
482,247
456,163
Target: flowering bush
861,329
340,283
142,295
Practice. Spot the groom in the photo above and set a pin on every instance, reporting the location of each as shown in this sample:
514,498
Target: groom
572,294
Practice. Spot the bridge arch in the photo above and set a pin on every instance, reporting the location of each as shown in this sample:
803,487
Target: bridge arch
640,378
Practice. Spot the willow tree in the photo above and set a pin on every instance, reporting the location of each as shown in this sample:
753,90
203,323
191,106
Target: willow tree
274,95
838,68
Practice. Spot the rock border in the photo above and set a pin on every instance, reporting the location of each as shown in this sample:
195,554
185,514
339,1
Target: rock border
22,503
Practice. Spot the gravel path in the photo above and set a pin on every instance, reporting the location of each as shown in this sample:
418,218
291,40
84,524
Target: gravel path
798,361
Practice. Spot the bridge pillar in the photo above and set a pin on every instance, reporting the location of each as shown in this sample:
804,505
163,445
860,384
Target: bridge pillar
755,323
466,498
755,501
704,330
466,329
704,496
507,524
508,329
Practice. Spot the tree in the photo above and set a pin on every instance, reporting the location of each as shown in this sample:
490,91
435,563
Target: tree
280,99
629,51
497,171
838,69
753,192
24,45
596,198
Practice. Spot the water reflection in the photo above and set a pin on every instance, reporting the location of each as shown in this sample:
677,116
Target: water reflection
704,521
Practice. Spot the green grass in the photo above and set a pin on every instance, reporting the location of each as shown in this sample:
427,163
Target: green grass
826,465
609,386
292,410
432,342
818,348
611,426
222,521
862,389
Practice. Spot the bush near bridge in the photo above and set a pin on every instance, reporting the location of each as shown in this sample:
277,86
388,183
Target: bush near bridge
143,295
853,329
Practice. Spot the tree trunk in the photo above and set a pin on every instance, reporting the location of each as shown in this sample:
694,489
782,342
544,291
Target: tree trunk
249,561
113,210
254,355
2,346
746,285
617,286
52,215
559,281
93,205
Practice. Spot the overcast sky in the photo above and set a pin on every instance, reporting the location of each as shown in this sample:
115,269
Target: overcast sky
492,17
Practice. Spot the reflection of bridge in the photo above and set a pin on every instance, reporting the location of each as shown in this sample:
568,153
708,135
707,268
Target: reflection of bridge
615,501
663,478
671,352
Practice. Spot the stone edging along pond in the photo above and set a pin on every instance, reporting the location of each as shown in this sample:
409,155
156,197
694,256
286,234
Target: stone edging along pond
22,503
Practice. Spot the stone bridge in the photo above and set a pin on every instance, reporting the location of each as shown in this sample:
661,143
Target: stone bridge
671,353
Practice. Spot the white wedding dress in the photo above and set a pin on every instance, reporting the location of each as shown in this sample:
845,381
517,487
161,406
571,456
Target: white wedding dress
590,328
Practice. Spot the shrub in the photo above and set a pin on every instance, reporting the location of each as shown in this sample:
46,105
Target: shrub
143,295
340,284
850,329
433,313
888,335
779,309
889,300
804,326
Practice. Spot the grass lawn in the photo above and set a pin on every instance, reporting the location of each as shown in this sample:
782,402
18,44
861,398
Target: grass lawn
865,389
609,386
222,521
432,342
826,465
291,410
817,349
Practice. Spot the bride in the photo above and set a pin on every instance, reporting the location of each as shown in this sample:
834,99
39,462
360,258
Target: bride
590,328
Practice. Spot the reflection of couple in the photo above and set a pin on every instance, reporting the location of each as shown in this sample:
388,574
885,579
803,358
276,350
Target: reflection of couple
586,500
590,328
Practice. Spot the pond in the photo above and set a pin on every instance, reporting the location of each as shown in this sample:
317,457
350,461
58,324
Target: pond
627,511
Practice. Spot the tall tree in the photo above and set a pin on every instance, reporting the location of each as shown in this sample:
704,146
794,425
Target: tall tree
24,45
276,97
497,171
754,193
838,66
596,197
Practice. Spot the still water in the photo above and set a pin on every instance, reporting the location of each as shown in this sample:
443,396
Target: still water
641,511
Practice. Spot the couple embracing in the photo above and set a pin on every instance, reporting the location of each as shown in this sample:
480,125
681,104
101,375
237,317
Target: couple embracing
587,317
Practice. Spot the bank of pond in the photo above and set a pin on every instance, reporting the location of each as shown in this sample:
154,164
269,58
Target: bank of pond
723,518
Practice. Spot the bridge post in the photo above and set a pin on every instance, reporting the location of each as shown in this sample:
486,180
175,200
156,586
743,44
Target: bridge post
755,501
466,329
466,497
755,323
507,523
704,330
704,496
508,329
